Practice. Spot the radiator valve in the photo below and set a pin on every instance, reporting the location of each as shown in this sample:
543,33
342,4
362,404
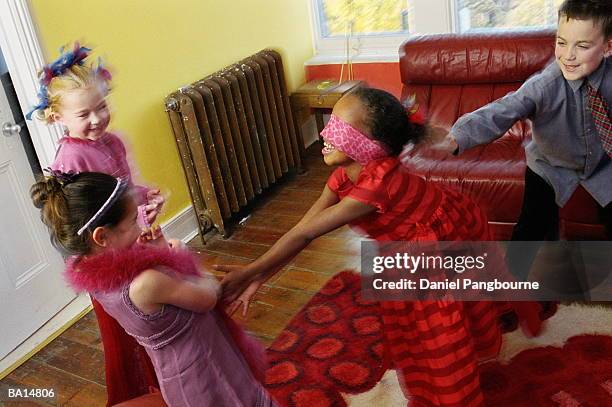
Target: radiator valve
172,104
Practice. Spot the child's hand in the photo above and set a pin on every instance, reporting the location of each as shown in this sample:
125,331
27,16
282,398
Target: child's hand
244,300
153,236
449,145
438,139
155,201
235,282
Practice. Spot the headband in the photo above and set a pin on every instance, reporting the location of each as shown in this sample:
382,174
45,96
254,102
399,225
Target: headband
119,188
58,67
352,142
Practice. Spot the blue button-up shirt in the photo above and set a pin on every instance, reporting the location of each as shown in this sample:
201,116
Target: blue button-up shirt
565,148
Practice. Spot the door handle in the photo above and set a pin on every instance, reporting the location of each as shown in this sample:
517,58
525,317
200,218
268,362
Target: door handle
10,129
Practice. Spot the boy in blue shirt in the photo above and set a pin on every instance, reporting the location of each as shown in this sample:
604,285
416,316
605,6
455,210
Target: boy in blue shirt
569,105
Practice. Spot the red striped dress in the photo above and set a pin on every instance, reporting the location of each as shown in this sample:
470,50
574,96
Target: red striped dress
434,345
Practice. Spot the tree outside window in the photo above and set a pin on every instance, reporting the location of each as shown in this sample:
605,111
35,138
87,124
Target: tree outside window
363,17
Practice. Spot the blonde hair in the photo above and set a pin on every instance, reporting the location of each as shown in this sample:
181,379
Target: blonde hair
75,77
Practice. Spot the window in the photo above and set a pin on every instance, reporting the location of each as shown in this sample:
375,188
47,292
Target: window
362,17
474,15
363,30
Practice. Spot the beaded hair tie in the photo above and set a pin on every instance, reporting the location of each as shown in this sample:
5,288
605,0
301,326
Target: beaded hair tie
63,178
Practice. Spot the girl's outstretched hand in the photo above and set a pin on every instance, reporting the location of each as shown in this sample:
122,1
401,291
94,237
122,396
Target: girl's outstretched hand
235,282
244,300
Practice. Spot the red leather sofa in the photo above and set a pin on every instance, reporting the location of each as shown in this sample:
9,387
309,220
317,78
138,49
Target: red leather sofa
453,74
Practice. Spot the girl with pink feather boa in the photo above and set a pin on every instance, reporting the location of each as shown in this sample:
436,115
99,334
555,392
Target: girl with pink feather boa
154,289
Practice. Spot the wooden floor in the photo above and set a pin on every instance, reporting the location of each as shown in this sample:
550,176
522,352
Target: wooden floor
73,364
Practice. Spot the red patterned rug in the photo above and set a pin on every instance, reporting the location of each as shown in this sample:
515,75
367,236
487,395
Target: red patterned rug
334,345
312,361
579,374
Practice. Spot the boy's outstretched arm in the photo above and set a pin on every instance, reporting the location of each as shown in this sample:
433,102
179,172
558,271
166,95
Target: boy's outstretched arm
492,120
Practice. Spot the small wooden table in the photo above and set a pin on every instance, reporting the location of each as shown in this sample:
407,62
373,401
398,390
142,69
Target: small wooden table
320,95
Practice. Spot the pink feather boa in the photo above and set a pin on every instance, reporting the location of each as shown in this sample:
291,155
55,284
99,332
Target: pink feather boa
113,269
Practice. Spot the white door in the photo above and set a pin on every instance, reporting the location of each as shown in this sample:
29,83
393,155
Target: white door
31,286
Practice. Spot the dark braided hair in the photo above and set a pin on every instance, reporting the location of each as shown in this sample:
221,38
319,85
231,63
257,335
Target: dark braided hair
387,119
67,204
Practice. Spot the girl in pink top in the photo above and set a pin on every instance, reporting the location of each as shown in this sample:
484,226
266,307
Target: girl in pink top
74,95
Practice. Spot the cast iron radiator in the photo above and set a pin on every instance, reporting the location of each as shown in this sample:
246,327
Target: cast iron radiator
236,136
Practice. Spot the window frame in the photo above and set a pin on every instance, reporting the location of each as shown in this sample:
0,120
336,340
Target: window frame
364,47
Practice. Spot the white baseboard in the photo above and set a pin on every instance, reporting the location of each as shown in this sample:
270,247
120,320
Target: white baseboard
183,226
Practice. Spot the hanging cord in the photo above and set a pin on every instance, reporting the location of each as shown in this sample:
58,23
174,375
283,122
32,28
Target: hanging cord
349,57
348,35
346,39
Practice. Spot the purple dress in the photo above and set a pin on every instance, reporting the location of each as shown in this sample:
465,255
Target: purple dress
196,360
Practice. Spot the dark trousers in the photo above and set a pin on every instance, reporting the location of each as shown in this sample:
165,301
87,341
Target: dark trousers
539,221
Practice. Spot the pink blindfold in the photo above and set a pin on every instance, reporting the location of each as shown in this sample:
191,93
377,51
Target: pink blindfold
351,141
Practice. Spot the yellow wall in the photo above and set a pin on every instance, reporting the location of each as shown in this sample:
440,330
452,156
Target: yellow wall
155,46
